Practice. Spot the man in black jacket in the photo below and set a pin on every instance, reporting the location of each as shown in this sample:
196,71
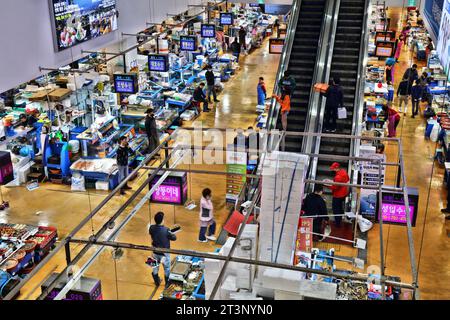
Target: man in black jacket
314,205
411,75
335,100
403,93
210,81
199,96
236,49
122,162
161,237
242,35
151,130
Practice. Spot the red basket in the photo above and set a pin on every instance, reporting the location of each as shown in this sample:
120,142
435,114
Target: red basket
49,233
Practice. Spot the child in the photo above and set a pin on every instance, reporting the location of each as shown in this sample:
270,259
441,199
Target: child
206,217
285,101
262,92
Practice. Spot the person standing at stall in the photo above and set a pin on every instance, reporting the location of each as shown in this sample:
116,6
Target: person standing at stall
399,46
335,100
314,205
151,130
242,35
207,222
339,192
235,49
122,162
416,95
394,119
210,81
262,92
161,237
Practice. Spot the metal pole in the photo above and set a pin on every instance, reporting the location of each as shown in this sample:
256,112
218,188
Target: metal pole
380,216
124,63
204,255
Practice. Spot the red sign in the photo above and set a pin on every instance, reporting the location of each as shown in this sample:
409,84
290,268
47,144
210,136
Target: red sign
304,241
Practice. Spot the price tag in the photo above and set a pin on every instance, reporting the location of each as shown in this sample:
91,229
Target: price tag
361,244
358,263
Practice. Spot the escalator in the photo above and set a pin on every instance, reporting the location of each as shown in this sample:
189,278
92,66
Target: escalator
302,64
345,64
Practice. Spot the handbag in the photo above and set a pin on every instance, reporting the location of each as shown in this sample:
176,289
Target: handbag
342,113
321,87
205,212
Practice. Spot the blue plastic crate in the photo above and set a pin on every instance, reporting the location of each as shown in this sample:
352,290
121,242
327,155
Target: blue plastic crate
195,294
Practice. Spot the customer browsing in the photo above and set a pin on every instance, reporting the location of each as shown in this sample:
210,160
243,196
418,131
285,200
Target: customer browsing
122,162
207,223
161,237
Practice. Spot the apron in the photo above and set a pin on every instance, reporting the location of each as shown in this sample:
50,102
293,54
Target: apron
261,96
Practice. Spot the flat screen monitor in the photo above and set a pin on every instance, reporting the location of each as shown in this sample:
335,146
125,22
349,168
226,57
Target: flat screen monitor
208,31
188,43
276,45
158,63
78,21
277,9
126,83
226,19
384,51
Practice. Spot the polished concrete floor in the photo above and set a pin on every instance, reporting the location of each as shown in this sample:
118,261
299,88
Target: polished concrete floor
129,278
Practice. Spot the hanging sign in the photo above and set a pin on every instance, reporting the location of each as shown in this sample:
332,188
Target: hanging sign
393,207
126,83
208,31
188,43
158,63
226,19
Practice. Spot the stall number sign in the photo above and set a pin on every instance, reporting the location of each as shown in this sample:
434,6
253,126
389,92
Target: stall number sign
188,43
167,193
208,31
158,63
226,19
125,84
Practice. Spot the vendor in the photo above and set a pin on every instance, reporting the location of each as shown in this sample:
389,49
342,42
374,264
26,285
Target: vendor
34,117
23,120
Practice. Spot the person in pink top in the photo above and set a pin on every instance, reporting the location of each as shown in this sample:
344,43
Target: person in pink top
207,222
398,50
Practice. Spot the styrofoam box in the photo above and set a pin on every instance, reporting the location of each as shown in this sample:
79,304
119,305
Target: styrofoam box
244,296
286,280
102,185
286,295
260,290
227,287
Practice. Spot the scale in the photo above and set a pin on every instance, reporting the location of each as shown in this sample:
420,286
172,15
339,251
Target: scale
180,270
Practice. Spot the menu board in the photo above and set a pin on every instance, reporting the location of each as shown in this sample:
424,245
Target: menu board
188,43
208,31
158,63
125,83
77,21
393,207
226,19
276,46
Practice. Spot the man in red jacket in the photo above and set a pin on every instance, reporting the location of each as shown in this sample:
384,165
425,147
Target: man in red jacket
339,192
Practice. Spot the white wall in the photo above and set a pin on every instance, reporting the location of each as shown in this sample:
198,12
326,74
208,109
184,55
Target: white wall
27,43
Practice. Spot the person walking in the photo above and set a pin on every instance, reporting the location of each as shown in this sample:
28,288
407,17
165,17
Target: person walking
399,46
394,119
235,49
335,100
314,205
411,75
210,81
416,95
262,92
122,162
161,237
242,35
339,192
403,95
199,96
285,102
207,223
151,130
287,84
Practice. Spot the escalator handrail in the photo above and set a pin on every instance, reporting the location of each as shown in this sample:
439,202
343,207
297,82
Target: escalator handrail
360,84
317,101
284,62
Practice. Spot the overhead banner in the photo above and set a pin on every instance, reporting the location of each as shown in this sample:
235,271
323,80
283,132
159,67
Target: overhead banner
443,45
433,14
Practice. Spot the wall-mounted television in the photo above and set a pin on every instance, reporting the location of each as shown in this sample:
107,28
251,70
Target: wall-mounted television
158,62
126,83
78,21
